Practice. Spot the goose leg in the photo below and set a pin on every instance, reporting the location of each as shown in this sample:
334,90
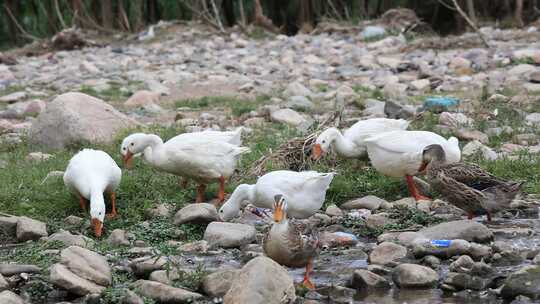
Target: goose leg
307,282
83,202
221,193
200,193
413,190
113,213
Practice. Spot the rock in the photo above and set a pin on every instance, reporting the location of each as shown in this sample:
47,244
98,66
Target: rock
369,202
73,220
459,64
466,134
218,283
465,229
333,210
533,119
64,123
370,32
61,276
165,294
254,122
375,221
13,97
420,84
29,229
8,297
8,225
297,89
145,266
536,259
337,239
13,269
160,210
454,120
534,77
422,247
475,146
261,281
345,95
88,67
312,59
166,276
463,264
525,281
387,253
197,246
196,213
414,276
229,235
130,297
462,281
288,116
118,237
525,139
521,70
432,262
142,98
69,239
366,280
300,103
87,264
3,283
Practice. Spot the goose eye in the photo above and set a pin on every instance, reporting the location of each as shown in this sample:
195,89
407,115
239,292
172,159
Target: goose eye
324,141
220,211
124,148
133,144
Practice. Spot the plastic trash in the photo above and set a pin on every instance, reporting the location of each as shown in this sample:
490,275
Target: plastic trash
441,243
372,32
439,103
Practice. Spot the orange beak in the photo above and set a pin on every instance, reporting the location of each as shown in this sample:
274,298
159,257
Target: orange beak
279,213
98,227
128,160
423,167
317,152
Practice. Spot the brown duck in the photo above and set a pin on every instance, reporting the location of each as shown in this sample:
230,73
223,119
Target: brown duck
466,185
290,243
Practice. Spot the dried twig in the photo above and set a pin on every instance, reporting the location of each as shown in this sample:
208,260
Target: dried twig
333,7
471,24
19,27
59,14
242,13
263,21
201,15
217,17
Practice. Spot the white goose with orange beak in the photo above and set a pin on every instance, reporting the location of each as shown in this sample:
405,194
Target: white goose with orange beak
89,174
351,144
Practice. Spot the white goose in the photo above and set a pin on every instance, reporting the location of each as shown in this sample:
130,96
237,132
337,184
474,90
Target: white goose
351,144
201,160
399,153
305,192
88,175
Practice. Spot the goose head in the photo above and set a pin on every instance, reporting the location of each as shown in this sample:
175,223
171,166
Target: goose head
322,143
280,209
432,153
131,145
97,214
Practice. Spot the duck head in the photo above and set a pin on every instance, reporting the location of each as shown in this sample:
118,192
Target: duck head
322,143
431,153
131,145
280,208
97,214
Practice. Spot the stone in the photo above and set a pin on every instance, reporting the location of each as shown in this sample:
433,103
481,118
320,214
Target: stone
8,297
142,98
366,280
432,262
144,266
461,281
525,282
387,253
202,213
3,283
160,210
197,246
532,87
229,235
61,276
8,225
333,210
533,119
64,123
164,293
165,276
522,70
68,239
73,220
465,229
13,97
297,89
88,67
254,122
414,276
288,116
534,77
337,239
459,63
369,202
454,120
466,134
87,265
300,103
130,297
261,281
473,147
13,269
29,229
374,221
118,237
218,283
525,139
420,84
37,156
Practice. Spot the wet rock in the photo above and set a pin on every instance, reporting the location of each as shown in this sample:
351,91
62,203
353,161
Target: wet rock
466,134
130,297
29,229
8,297
465,229
142,98
338,294
370,202
61,276
475,146
160,210
463,264
64,123
229,235
387,253
364,279
87,264
414,276
261,280
68,239
432,262
3,283
13,97
196,213
165,294
143,267
13,269
218,283
462,281
333,210
118,237
525,281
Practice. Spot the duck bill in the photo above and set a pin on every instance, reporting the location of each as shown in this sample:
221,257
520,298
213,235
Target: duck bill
98,227
278,215
128,160
317,152
423,167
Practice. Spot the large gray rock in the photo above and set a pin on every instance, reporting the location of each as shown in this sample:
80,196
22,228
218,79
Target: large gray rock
218,283
229,235
131,297
289,117
414,276
196,213
525,281
144,266
12,269
261,281
29,229
3,283
370,202
462,281
387,253
8,297
364,279
465,229
68,239
87,264
164,293
61,276
8,225
74,118
118,237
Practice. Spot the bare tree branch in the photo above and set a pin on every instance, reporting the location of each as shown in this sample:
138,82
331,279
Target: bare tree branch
263,21
242,13
217,16
59,14
471,24
19,27
201,15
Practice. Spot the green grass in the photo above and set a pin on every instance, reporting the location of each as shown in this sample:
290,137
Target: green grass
236,107
113,93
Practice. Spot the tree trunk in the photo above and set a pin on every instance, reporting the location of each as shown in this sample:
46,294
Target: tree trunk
519,13
228,11
77,6
106,14
137,12
471,12
153,13
13,32
304,13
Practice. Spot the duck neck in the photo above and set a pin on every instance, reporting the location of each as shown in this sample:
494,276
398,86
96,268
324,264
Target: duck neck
343,145
153,144
97,202
243,193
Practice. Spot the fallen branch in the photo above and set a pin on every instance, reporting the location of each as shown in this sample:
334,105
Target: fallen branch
471,24
201,15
